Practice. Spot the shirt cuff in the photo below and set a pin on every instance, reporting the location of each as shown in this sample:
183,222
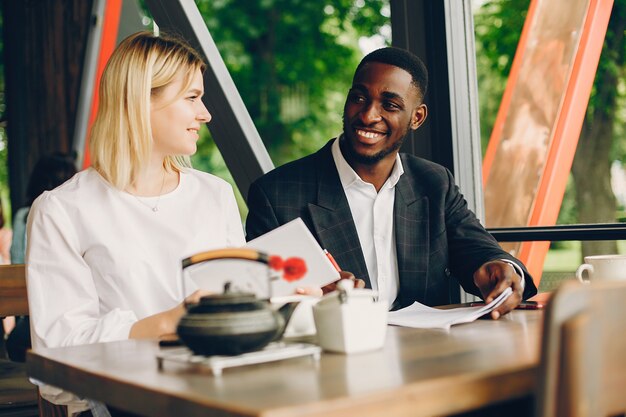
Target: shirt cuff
518,269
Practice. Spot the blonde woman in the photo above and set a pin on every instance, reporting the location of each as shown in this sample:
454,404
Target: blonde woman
104,249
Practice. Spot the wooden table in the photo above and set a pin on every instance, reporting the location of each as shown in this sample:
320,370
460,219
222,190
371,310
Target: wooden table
419,372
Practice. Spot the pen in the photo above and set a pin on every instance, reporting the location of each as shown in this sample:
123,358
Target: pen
332,260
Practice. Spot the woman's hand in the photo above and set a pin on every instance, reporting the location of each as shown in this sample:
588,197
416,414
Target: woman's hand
195,297
164,323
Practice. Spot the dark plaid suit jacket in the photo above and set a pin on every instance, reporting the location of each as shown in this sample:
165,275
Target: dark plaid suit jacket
437,236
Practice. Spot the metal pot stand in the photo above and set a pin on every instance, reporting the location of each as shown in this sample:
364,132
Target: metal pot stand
275,351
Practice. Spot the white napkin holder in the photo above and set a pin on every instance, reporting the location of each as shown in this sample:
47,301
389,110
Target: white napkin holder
350,320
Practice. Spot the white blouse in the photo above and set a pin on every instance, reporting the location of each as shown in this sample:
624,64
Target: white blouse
99,259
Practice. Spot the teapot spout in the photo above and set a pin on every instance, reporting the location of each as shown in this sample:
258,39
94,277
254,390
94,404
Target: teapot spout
285,312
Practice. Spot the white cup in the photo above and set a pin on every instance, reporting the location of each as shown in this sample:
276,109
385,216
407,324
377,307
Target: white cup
603,267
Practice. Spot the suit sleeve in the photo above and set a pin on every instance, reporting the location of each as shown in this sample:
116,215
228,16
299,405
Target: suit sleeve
470,245
261,215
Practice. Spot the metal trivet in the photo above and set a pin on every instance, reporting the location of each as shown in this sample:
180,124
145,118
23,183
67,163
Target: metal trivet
273,352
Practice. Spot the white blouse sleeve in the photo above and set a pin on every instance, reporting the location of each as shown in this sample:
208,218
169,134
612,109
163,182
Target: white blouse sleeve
63,301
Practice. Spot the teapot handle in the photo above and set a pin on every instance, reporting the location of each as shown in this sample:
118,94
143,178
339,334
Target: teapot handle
230,253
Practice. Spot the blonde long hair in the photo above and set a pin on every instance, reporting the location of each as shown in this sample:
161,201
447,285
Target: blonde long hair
141,66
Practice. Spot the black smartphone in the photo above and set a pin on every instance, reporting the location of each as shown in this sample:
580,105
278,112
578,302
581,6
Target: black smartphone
524,305
529,305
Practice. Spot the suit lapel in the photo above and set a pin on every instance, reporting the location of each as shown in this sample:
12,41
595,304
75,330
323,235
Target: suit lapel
412,240
332,219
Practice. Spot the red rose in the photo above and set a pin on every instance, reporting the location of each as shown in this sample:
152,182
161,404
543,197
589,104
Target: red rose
276,263
294,269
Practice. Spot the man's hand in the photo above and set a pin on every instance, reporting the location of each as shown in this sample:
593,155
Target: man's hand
358,283
492,278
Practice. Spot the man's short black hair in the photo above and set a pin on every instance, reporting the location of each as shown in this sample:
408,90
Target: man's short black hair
400,58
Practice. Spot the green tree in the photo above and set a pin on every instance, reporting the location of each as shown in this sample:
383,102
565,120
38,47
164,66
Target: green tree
589,197
292,62
599,145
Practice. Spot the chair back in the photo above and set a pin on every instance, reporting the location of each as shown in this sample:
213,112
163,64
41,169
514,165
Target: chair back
18,397
583,355
13,300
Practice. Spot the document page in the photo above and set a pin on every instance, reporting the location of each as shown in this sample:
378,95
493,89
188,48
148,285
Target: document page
420,316
291,240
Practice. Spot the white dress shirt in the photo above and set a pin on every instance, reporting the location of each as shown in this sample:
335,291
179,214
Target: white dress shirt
373,217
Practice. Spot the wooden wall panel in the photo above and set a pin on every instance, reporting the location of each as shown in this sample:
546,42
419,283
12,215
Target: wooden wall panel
44,43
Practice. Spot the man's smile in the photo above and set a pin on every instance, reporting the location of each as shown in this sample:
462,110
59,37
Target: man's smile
369,137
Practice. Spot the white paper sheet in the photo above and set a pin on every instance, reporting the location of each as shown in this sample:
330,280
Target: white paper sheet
292,239
421,316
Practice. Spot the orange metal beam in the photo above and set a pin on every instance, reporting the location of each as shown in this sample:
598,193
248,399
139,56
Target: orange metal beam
110,27
566,128
567,131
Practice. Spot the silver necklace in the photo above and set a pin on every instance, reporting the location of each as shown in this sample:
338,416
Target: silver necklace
154,208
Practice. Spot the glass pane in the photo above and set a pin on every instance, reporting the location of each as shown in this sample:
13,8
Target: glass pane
529,124
595,189
565,257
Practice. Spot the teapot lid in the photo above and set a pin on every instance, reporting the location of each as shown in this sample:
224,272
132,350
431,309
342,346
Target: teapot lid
346,293
228,297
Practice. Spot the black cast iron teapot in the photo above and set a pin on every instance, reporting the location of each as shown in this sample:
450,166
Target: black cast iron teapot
233,322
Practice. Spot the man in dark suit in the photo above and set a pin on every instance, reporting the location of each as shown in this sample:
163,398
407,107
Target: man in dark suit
394,220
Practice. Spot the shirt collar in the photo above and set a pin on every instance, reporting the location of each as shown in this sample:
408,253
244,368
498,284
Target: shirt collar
349,177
